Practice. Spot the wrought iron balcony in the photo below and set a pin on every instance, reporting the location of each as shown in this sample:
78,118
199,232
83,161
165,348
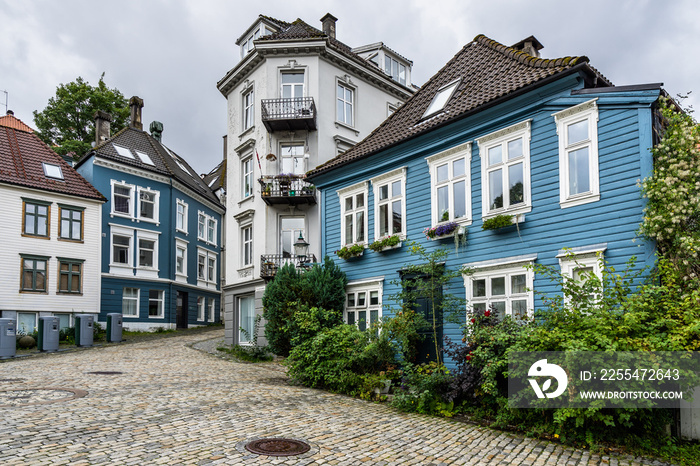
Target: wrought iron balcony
289,114
271,263
287,190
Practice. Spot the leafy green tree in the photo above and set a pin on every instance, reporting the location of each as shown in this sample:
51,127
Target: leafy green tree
68,121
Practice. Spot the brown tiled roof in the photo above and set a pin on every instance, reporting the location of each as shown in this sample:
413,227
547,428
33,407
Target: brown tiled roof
165,161
21,156
486,70
216,178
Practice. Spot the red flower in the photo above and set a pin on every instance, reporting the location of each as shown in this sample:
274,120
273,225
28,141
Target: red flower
473,320
487,313
469,358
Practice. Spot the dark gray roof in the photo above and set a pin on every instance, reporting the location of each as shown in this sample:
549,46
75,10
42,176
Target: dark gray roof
487,71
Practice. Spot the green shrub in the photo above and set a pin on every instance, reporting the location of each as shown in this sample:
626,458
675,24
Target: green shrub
307,321
424,390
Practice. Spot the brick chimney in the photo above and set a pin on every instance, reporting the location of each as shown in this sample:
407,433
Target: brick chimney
102,126
136,104
328,25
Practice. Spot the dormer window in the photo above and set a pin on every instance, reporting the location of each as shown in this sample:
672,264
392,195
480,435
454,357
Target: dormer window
396,70
247,45
52,171
441,98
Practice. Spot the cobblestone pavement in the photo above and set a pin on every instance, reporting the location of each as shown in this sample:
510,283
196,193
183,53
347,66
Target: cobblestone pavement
170,403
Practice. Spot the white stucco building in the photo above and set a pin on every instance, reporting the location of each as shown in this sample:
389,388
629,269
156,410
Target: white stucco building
297,98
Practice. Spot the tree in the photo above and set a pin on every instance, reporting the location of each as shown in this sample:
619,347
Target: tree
68,121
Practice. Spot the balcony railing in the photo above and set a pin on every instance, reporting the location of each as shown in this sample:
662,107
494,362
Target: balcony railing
271,263
287,190
289,114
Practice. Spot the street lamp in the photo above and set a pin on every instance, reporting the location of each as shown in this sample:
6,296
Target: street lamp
301,249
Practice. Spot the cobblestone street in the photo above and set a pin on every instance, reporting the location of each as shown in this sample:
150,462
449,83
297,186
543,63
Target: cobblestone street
165,402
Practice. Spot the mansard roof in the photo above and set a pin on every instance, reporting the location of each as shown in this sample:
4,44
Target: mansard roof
22,158
486,72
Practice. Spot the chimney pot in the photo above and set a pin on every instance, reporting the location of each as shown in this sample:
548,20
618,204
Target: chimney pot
156,129
328,25
136,104
10,112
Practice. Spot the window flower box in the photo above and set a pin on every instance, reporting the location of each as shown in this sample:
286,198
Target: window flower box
502,221
348,252
444,230
384,244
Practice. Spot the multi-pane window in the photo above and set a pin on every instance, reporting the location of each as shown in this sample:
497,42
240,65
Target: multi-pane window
201,308
247,172
148,208
390,204
122,199
70,276
36,218
181,216
578,154
584,265
450,176
206,268
34,273
202,226
247,253
147,249
293,159
155,303
293,85
201,266
181,258
290,229
396,70
345,102
130,302
248,110
212,310
363,306
353,204
246,319
505,170
211,269
121,246
211,230
71,225
505,291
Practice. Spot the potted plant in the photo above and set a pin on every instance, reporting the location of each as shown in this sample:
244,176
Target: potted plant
383,244
443,230
502,221
348,252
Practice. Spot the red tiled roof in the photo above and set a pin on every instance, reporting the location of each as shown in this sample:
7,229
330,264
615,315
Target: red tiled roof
22,154
486,70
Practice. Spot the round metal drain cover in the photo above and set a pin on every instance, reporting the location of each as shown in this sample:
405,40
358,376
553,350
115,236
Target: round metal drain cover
277,447
105,373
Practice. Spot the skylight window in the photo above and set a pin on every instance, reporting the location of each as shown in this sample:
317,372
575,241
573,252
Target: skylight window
441,98
52,171
123,151
145,158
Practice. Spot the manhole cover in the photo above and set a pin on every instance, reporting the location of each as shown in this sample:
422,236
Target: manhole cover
105,373
38,396
277,447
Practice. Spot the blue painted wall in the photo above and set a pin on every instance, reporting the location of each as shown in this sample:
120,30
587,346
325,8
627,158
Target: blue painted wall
624,134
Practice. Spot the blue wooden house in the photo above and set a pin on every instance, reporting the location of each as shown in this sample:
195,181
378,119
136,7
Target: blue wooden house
549,145
161,229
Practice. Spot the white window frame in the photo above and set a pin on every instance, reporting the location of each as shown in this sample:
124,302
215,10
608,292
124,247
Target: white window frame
160,299
247,245
205,280
345,103
181,245
292,86
202,226
387,179
137,299
181,228
208,229
448,157
156,205
582,257
507,268
132,195
201,307
352,192
212,309
441,98
118,267
247,175
212,227
353,305
298,161
586,111
241,340
248,108
502,138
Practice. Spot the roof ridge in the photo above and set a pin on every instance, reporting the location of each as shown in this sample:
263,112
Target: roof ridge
528,59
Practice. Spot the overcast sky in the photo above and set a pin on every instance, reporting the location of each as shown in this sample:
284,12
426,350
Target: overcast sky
172,53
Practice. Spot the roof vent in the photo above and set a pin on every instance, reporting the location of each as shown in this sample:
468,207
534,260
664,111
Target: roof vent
10,112
529,45
102,126
156,130
328,25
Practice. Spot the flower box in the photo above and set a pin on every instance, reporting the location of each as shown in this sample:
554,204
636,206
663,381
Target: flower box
445,230
348,252
387,243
